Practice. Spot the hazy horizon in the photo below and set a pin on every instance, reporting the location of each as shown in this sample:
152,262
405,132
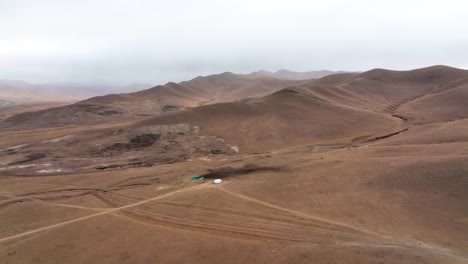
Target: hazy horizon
154,42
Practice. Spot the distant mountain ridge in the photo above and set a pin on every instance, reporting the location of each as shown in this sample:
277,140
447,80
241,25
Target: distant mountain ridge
292,75
16,89
378,90
11,89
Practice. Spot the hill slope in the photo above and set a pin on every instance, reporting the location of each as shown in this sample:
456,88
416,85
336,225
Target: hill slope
377,90
384,90
223,87
445,103
286,118
352,168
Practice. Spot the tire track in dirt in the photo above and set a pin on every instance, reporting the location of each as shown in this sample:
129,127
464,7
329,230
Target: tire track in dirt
217,230
71,205
112,202
175,223
85,190
350,228
31,196
105,201
432,250
76,220
280,219
130,197
241,233
255,234
151,178
66,193
194,226
378,235
282,230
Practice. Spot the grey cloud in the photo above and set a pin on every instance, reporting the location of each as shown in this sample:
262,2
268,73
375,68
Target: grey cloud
160,41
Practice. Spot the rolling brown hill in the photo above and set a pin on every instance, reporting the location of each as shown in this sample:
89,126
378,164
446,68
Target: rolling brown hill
376,90
351,168
228,114
444,103
290,117
198,91
223,87
286,118
385,90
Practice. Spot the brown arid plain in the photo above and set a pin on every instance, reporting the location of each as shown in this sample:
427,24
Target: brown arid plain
358,168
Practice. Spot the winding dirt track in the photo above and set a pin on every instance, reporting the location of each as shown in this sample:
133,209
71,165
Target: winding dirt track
235,232
109,211
304,215
383,244
72,206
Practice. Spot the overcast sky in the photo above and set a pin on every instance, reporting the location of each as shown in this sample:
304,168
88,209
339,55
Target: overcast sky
172,40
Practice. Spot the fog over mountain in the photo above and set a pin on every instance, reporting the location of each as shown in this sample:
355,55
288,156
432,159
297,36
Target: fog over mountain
18,89
117,42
